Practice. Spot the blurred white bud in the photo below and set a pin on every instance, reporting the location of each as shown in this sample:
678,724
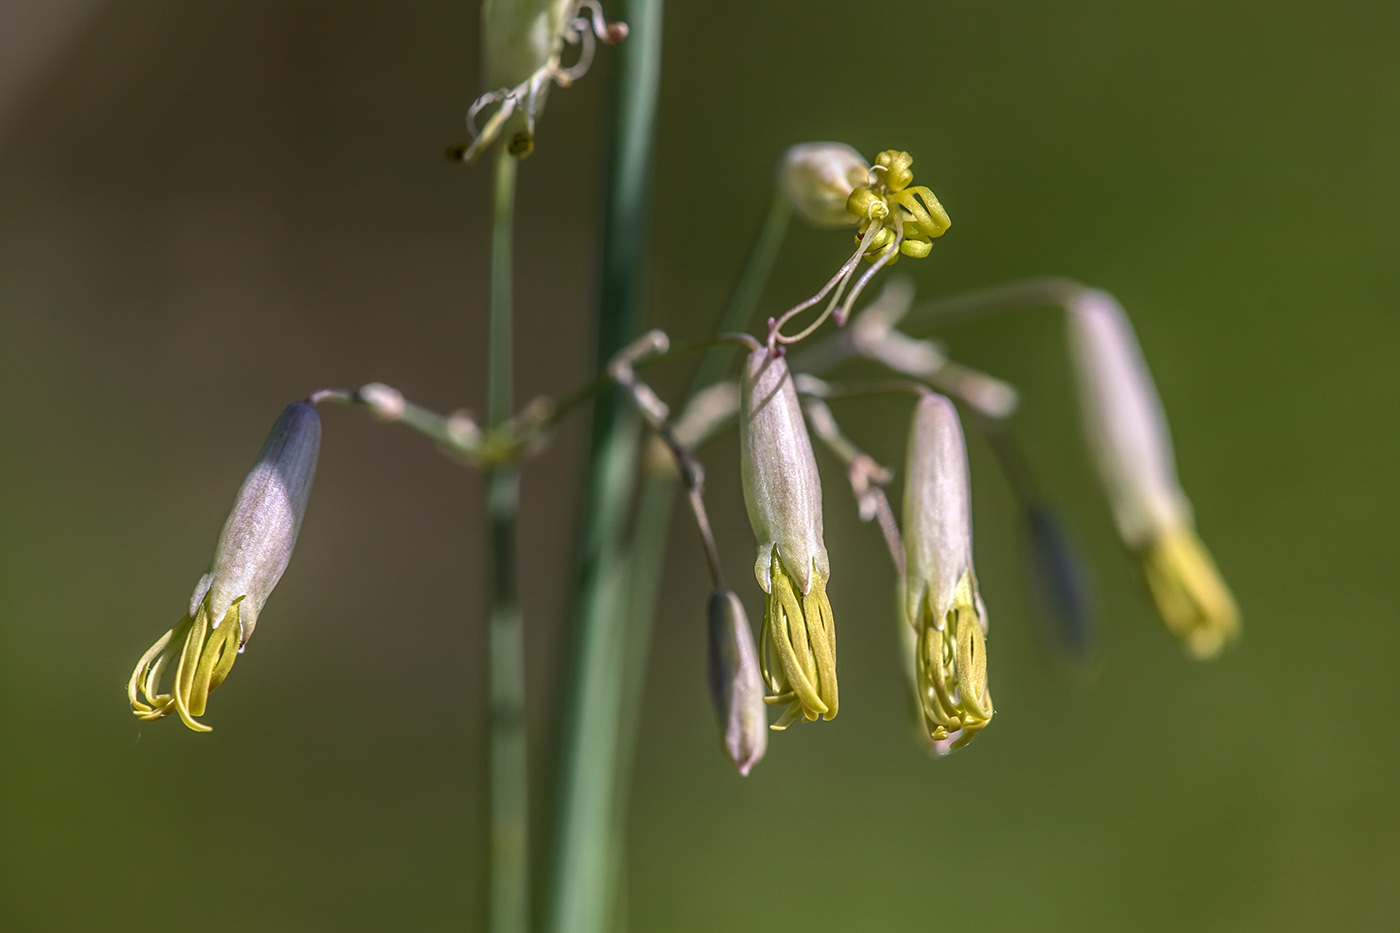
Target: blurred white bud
1126,431
736,686
818,178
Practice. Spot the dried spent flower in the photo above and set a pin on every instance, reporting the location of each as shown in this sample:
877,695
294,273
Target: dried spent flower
736,686
254,549
941,600
818,179
1127,435
783,494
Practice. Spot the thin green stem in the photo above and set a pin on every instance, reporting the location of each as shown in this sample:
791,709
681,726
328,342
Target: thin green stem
583,896
738,313
510,815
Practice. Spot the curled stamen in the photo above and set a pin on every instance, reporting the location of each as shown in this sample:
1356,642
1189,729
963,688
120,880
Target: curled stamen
206,655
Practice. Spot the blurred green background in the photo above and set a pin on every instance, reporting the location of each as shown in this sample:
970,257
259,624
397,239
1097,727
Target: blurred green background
209,209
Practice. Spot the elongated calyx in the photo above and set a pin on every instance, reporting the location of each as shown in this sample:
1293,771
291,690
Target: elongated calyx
1126,431
736,685
253,551
818,179
941,600
783,494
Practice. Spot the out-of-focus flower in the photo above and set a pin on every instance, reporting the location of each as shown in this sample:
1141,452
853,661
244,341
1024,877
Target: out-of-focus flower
736,686
253,551
819,178
1128,439
523,44
941,600
783,494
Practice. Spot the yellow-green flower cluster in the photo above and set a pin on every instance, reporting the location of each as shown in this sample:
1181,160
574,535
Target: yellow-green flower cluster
900,211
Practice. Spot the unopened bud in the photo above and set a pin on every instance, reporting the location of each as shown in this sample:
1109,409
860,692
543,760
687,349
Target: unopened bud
818,179
736,686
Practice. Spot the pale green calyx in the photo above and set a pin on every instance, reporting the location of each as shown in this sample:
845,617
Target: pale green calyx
523,44
941,600
1128,439
818,178
782,492
736,686
253,551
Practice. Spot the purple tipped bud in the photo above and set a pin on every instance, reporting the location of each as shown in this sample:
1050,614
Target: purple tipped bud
257,540
736,687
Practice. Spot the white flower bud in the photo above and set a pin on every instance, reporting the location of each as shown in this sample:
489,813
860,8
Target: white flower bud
782,490
1128,440
1124,423
941,600
783,493
257,540
818,178
254,549
736,686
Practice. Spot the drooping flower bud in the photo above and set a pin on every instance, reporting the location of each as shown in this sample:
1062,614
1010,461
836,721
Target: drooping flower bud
941,600
783,494
254,549
736,686
818,179
1128,440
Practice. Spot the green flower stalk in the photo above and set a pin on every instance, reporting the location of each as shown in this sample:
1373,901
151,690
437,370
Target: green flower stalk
254,549
736,686
783,494
940,599
1127,434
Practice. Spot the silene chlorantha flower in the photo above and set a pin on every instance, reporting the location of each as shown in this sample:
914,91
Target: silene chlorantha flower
1128,440
783,494
736,686
253,551
940,599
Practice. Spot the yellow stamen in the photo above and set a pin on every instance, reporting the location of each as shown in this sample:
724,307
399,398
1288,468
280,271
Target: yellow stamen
1190,595
802,632
206,654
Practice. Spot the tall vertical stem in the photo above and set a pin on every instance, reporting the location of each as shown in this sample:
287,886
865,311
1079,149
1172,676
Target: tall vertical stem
581,896
510,797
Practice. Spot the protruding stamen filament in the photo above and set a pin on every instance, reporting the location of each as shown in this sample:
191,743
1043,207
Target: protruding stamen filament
952,674
1189,592
205,657
800,629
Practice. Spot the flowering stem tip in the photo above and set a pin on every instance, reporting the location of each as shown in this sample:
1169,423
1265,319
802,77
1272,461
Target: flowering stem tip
253,551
